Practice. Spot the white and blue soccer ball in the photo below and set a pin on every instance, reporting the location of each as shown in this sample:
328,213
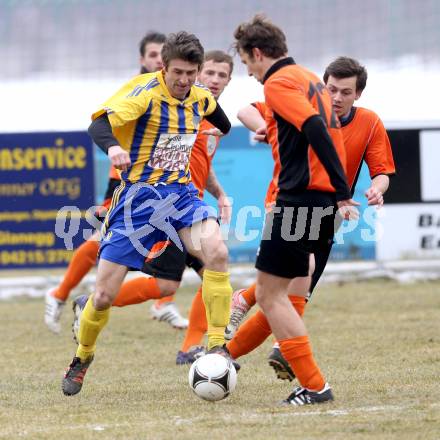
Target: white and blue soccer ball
212,377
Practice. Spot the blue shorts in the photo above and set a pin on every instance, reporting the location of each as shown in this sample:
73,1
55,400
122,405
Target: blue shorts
141,215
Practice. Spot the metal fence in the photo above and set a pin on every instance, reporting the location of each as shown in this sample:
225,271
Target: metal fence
81,38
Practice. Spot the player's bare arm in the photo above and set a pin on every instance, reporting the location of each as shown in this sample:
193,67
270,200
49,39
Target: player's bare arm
251,118
379,186
119,158
224,205
213,132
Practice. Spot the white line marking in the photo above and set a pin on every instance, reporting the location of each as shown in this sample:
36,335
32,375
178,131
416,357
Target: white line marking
292,411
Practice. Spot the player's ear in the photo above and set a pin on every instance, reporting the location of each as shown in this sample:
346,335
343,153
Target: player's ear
358,94
256,53
229,78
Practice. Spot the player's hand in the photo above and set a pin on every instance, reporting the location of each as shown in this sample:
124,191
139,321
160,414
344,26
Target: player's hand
347,209
260,134
213,132
225,209
374,196
119,158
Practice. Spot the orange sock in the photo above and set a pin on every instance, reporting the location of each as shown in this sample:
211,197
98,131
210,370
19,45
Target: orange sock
137,291
249,295
164,300
256,329
299,302
198,325
250,335
298,352
83,259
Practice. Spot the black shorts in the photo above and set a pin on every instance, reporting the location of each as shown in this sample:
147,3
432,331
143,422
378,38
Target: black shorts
171,264
291,233
322,255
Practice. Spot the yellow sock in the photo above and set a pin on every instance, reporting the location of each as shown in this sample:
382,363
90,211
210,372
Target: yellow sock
216,292
92,322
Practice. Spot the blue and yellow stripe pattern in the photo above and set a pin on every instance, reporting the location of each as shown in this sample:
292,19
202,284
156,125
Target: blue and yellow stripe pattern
156,129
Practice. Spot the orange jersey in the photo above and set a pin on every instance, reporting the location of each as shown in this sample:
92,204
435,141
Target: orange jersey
272,191
201,157
113,173
365,138
293,95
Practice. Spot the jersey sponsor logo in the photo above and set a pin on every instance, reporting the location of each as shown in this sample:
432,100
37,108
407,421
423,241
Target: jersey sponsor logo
172,152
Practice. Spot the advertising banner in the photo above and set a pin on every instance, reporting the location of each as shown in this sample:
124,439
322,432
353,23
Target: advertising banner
39,174
411,218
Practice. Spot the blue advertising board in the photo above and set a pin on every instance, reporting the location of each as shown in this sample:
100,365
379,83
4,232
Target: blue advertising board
39,174
357,241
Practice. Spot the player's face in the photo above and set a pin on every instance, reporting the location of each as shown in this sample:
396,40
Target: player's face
180,75
215,76
152,59
254,65
343,93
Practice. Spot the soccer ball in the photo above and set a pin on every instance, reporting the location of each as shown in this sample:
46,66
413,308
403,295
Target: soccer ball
212,377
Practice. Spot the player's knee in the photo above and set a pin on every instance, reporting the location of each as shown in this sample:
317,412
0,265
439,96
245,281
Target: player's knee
217,256
102,299
261,297
264,293
167,287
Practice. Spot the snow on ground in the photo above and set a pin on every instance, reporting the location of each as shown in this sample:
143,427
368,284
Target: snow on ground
408,271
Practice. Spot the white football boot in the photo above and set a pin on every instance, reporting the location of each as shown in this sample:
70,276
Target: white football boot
52,314
169,313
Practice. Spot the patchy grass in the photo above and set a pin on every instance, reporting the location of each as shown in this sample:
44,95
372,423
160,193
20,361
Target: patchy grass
377,342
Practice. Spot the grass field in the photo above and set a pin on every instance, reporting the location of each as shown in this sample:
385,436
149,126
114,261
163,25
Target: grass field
377,342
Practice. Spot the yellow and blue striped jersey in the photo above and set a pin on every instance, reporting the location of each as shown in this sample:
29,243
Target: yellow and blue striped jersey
156,129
